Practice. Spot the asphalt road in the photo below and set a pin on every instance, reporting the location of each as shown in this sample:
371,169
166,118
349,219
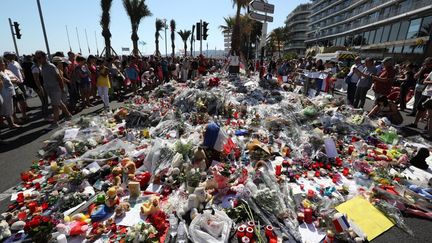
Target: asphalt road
24,143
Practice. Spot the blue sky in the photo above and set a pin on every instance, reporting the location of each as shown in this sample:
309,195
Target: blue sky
85,14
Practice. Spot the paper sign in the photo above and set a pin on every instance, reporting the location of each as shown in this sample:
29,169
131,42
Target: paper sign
370,220
330,148
310,234
70,134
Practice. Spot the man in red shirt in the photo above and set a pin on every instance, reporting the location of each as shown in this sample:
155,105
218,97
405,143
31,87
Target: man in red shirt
383,83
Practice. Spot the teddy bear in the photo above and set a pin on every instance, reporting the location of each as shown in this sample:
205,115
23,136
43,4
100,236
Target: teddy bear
151,206
121,209
4,230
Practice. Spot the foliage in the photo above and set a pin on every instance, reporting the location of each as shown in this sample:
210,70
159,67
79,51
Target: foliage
159,24
105,22
184,35
136,10
173,28
236,34
290,55
39,228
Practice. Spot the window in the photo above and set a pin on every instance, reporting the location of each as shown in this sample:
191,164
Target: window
365,40
418,49
385,33
407,49
413,28
397,49
372,37
426,27
378,35
394,31
403,30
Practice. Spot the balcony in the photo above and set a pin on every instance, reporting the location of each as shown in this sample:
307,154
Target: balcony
350,24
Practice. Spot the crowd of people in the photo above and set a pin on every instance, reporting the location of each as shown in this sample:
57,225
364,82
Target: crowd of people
71,82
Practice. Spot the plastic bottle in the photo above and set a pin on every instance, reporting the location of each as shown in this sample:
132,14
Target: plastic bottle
181,233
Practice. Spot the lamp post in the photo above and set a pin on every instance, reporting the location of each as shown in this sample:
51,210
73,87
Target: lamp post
43,27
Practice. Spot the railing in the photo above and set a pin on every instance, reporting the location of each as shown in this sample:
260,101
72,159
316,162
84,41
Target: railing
350,18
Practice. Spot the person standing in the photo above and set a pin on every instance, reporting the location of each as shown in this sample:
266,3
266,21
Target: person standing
53,84
383,83
7,92
407,82
424,106
20,90
352,82
73,82
103,84
420,77
83,74
91,62
364,83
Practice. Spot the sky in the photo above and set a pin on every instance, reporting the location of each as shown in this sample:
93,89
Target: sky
84,15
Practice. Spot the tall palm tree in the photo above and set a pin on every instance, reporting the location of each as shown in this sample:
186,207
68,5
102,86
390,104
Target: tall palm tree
228,25
236,34
105,22
279,35
173,28
184,35
192,39
159,24
137,10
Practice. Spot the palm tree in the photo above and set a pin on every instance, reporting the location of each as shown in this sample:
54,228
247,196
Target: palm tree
184,35
192,39
137,10
279,35
105,22
236,34
159,24
173,28
229,24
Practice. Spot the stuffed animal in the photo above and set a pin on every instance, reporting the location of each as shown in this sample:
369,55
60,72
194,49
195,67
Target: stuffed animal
111,198
121,209
4,230
117,171
151,206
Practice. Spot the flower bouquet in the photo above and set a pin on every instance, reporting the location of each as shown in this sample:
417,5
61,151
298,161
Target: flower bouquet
39,228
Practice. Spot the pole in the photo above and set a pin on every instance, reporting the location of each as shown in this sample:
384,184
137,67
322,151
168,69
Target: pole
79,44
263,37
207,50
43,27
13,37
201,37
97,48
88,47
67,33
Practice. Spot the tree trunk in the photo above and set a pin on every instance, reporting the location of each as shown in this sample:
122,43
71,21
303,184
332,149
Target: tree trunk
173,43
135,39
157,43
279,49
235,39
107,36
185,47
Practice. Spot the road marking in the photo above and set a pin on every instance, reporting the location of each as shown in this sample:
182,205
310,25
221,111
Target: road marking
4,195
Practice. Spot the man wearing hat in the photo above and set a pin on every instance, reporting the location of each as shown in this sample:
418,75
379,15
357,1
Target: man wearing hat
20,90
383,83
53,84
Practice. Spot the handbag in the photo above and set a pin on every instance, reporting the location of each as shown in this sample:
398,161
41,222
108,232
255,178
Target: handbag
348,79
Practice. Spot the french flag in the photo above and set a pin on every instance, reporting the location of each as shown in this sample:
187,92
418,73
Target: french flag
215,137
340,222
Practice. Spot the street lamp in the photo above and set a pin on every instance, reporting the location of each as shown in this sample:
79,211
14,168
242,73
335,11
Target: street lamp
166,27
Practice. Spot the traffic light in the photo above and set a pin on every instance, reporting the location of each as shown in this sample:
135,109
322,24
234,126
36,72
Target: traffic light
198,29
205,30
17,30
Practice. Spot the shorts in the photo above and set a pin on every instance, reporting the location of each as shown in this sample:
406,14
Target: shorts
425,103
55,96
19,95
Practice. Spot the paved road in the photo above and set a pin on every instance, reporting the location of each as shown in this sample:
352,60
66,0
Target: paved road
24,143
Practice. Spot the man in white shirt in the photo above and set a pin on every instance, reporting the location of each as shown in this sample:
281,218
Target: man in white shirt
352,85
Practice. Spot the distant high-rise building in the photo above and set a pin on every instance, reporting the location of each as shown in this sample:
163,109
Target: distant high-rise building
297,24
398,28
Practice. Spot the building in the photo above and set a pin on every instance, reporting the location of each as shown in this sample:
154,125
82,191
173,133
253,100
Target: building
398,28
297,24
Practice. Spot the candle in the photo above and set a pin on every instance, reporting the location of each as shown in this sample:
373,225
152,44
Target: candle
62,239
249,232
269,231
278,170
245,239
241,231
308,215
